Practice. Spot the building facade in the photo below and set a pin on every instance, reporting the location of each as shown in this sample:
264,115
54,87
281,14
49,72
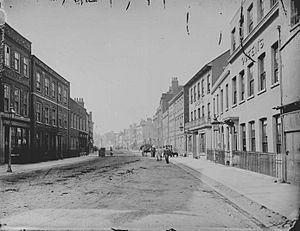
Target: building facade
200,104
79,133
50,112
15,96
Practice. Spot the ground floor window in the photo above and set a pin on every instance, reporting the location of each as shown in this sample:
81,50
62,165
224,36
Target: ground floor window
19,139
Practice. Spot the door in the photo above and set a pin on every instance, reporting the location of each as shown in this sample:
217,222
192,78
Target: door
6,143
293,157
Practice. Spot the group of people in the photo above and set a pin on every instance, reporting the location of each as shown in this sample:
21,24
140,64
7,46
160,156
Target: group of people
160,153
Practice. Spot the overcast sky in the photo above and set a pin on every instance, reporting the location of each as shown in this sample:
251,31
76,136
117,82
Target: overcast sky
121,61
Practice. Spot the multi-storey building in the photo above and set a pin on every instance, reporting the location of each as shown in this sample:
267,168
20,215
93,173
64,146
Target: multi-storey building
50,112
91,132
79,133
15,83
249,91
199,90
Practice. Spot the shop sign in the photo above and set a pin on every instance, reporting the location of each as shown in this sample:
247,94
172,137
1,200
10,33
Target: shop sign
258,46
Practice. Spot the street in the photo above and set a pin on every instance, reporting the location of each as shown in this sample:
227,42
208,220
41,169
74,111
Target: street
124,191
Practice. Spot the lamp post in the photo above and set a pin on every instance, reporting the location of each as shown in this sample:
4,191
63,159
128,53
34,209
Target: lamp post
11,116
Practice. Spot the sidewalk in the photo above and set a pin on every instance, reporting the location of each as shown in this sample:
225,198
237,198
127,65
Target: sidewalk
22,168
278,197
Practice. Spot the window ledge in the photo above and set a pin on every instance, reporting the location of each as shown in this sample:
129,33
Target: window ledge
295,26
241,102
274,85
262,91
234,105
250,97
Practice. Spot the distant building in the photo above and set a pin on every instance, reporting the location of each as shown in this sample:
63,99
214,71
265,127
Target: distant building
79,132
91,132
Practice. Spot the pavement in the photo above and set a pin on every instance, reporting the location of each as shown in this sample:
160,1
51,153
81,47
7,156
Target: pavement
266,191
23,168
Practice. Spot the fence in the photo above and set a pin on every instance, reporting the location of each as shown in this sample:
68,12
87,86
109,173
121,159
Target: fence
264,163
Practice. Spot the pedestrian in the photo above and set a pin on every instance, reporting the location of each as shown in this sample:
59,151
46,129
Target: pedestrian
111,151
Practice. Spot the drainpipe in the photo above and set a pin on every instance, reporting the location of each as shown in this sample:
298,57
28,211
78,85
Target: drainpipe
283,146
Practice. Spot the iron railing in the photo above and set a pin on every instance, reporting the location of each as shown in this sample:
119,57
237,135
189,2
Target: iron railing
261,162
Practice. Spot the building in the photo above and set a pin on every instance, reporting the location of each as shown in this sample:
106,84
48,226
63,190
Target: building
50,112
79,133
15,84
250,90
91,132
199,90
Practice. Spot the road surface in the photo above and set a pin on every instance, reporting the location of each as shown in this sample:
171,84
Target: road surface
124,192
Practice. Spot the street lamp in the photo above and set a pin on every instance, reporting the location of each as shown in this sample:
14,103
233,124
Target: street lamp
11,116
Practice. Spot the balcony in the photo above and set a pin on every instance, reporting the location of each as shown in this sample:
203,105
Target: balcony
199,123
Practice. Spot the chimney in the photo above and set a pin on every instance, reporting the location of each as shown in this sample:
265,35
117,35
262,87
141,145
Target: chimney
174,84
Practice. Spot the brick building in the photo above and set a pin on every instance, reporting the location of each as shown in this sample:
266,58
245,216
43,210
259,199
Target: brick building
50,110
14,94
79,134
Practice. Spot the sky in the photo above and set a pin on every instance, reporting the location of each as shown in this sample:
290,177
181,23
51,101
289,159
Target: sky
121,61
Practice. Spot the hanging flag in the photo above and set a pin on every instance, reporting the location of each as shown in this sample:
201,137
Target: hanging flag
128,6
220,38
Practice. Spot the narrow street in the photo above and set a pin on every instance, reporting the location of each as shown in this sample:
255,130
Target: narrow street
120,191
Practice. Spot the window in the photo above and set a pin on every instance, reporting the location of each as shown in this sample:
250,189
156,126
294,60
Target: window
59,119
295,12
52,90
59,93
261,72
25,67
217,104
234,95
241,29
195,93
242,86
275,62
6,98
38,112
264,136
252,136
261,9
202,87
208,84
46,115
243,137
17,101
53,117
47,86
65,121
195,115
25,103
278,133
199,113
38,81
208,111
226,96
191,116
17,61
191,95
221,100
214,106
234,138
198,90
250,80
233,41
203,111
250,18
7,56
273,2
